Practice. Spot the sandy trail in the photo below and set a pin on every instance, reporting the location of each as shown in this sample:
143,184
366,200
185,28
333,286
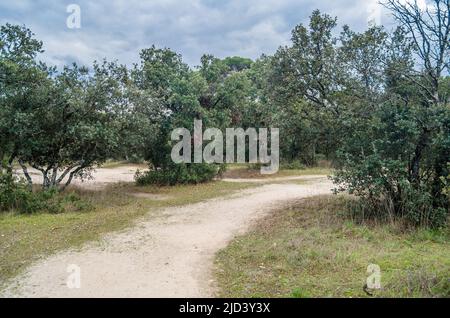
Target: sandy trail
101,177
166,256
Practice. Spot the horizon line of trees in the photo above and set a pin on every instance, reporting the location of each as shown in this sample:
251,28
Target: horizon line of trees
375,103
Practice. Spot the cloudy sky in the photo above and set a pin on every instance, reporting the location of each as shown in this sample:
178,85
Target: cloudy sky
119,29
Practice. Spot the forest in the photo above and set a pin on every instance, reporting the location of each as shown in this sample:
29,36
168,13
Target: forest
374,104
371,108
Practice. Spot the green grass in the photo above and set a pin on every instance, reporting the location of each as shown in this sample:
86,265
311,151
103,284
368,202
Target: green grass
26,238
312,249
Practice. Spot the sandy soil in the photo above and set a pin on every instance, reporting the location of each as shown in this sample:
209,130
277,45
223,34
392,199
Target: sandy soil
100,176
167,256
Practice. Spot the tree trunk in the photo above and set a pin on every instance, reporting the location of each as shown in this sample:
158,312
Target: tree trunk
27,175
54,175
415,162
61,189
9,167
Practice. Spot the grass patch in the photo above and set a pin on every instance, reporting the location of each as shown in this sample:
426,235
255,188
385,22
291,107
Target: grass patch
111,164
90,214
313,249
242,171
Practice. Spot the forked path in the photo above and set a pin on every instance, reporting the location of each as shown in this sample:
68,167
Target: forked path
170,255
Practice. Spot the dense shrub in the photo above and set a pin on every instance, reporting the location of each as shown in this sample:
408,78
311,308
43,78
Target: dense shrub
379,172
179,174
413,207
15,196
293,165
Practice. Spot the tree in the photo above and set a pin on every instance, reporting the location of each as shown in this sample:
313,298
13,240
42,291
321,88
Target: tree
396,157
237,63
184,95
306,84
216,92
65,123
19,76
308,68
429,29
368,98
72,124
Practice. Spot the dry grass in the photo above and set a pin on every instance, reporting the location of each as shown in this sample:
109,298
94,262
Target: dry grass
111,164
89,215
241,171
313,249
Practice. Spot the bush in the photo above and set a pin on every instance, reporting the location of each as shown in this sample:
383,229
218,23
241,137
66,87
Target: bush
293,165
73,202
387,194
180,174
15,195
413,207
380,162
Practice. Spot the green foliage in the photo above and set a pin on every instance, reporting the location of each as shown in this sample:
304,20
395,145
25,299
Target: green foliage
19,77
413,206
293,165
65,123
179,174
300,293
15,196
367,102
376,165
212,94
396,156
302,85
375,104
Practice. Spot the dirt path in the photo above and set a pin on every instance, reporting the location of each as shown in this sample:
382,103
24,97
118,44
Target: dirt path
167,256
100,176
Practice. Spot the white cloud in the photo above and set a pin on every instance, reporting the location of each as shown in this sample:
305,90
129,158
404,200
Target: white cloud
118,29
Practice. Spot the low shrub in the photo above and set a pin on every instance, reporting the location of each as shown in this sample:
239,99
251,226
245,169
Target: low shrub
412,206
179,174
16,196
293,165
73,202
